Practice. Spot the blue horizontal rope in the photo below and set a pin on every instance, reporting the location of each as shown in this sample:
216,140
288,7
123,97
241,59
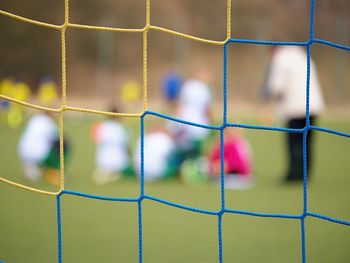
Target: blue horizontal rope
344,134
268,42
331,44
177,205
289,43
193,209
328,218
257,214
262,127
163,116
281,129
100,197
246,126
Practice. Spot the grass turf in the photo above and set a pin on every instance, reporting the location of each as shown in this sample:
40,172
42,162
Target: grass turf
100,231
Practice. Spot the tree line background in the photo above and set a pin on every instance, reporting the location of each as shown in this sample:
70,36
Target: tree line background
100,62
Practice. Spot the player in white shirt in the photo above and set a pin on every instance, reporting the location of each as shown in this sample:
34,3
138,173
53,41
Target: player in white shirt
112,151
286,85
195,93
193,106
36,143
159,150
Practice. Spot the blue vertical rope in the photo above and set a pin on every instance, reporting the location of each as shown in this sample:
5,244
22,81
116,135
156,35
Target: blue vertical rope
222,191
308,76
142,142
305,132
142,186
303,240
139,207
59,228
305,161
222,148
305,174
221,257
312,20
305,171
222,168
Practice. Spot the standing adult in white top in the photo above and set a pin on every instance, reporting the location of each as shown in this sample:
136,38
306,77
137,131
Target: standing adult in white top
286,85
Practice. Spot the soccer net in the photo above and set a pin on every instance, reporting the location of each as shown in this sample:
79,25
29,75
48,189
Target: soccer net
141,116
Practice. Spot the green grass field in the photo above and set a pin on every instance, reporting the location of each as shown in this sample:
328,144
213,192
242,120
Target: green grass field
100,231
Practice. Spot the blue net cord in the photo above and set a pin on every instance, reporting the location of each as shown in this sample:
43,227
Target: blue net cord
59,227
306,213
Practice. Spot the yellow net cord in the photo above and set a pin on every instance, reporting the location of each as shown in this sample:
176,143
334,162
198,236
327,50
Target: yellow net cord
64,107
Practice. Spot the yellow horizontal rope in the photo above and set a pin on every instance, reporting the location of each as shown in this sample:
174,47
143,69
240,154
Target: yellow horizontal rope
29,188
29,105
30,21
104,28
114,29
129,30
105,113
175,33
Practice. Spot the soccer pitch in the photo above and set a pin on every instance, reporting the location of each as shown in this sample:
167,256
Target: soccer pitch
101,231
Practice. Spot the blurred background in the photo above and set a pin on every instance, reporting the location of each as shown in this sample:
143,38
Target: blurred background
100,62
102,65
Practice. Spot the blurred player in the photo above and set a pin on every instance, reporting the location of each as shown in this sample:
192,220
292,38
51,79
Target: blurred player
286,86
238,163
171,85
159,158
39,146
19,91
193,106
131,93
5,89
37,149
112,152
47,92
